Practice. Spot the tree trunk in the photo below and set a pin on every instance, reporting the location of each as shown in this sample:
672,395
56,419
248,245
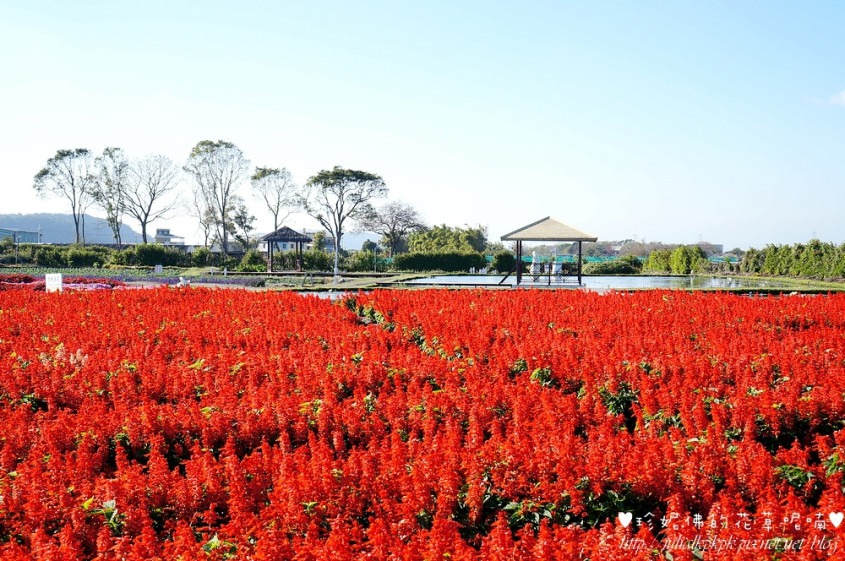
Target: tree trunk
75,225
335,264
336,253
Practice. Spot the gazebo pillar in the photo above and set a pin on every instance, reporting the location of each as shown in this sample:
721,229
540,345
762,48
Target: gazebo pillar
518,262
579,262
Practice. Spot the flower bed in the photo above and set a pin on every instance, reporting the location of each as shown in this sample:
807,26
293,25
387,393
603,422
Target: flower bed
28,282
411,424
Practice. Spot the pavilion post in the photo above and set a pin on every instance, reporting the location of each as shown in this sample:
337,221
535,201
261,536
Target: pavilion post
579,262
518,262
270,256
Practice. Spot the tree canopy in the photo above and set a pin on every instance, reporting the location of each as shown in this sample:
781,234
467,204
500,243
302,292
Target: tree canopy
446,238
218,168
69,174
393,221
278,191
334,196
110,188
155,177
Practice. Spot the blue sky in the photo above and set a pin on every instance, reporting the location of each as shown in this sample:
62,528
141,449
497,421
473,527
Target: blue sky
662,121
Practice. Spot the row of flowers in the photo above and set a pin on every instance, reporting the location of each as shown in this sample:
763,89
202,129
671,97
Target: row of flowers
37,284
201,423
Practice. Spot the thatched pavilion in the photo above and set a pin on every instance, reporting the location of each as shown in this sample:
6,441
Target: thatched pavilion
546,230
285,235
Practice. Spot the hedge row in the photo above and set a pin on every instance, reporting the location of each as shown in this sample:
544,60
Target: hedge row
450,261
812,260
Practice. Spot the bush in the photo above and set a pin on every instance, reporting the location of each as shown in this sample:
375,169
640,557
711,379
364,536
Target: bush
50,257
659,261
503,261
628,265
445,239
149,255
253,261
124,257
362,262
7,250
25,254
78,256
318,242
687,259
812,260
449,261
317,260
202,257
284,260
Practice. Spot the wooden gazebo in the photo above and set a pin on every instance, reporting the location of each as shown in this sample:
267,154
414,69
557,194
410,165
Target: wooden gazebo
286,235
546,230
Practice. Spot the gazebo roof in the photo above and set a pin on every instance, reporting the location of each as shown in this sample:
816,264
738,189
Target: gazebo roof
285,234
549,230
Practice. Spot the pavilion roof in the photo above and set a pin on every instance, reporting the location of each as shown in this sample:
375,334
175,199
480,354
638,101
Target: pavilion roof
549,229
285,234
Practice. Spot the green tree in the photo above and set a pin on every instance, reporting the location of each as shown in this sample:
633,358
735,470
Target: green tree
447,239
659,261
316,260
253,261
318,242
503,261
69,174
242,222
218,168
334,196
687,259
201,257
110,189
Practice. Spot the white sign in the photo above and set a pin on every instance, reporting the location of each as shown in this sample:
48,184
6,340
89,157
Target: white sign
54,282
158,269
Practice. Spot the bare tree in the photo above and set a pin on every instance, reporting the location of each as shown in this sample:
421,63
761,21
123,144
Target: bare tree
278,191
393,221
337,195
218,168
154,178
203,214
69,174
112,184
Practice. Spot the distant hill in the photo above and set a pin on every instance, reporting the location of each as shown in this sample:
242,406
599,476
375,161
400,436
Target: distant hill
58,228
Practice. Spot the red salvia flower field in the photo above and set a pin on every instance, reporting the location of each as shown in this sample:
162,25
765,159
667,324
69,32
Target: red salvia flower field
214,424
28,282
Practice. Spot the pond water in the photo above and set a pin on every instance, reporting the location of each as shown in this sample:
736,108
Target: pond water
612,282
